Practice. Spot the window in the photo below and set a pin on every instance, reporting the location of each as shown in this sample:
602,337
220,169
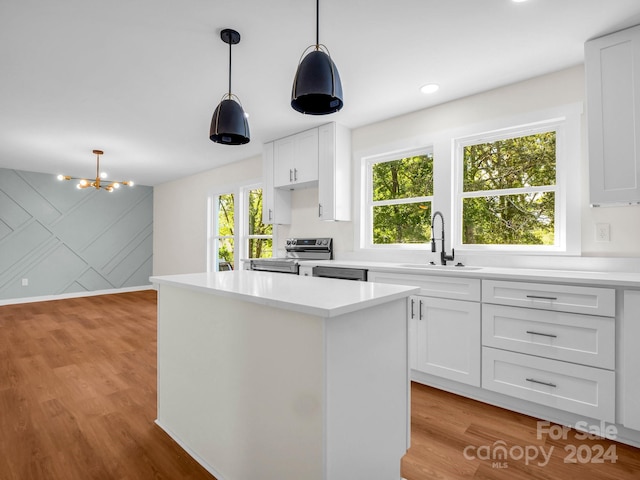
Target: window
259,235
224,237
237,228
400,193
507,189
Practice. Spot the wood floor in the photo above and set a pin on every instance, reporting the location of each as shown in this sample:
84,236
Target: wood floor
78,402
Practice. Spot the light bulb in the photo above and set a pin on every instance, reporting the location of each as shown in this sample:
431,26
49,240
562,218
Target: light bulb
103,175
430,88
83,182
116,185
130,183
60,177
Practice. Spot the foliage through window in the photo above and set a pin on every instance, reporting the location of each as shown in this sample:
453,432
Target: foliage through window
239,231
509,191
401,192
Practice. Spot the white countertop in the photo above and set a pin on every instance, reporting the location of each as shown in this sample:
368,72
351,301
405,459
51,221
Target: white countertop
314,296
576,277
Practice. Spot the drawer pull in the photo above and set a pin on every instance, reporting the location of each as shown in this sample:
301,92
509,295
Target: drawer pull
412,312
550,335
420,310
538,297
548,384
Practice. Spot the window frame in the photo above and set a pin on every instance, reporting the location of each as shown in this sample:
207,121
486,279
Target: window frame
240,223
570,193
458,194
369,203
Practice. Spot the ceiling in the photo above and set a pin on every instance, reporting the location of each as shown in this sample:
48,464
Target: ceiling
140,79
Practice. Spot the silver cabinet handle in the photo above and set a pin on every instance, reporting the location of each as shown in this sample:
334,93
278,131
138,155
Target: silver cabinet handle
295,174
420,311
548,384
290,175
270,214
538,297
320,210
412,312
550,335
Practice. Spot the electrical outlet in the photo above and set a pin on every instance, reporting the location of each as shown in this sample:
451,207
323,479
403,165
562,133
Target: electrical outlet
603,232
25,282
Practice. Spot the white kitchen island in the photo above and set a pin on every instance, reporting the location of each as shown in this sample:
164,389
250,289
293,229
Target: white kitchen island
275,377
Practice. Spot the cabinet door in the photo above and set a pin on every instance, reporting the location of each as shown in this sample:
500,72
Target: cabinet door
305,163
613,102
276,203
283,160
448,339
630,360
334,173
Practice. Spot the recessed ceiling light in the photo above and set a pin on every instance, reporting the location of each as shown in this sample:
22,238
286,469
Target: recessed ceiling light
429,88
518,1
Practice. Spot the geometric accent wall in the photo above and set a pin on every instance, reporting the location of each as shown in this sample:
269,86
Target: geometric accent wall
64,240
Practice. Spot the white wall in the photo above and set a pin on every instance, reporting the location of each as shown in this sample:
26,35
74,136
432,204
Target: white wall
180,206
180,216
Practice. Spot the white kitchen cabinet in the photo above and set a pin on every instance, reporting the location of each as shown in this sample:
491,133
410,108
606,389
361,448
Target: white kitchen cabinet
444,331
551,344
631,360
447,338
563,298
276,203
582,390
571,337
334,172
296,160
613,110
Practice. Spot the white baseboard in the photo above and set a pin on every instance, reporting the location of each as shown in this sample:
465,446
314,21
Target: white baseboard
62,296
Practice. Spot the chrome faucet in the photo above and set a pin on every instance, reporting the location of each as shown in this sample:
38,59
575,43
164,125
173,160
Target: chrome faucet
443,255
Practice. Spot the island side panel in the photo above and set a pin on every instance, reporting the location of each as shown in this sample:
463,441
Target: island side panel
368,417
240,385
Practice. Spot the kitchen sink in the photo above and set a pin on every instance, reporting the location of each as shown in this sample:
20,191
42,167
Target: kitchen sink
427,266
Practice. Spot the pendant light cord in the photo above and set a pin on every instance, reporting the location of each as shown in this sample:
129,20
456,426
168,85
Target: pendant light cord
317,24
230,69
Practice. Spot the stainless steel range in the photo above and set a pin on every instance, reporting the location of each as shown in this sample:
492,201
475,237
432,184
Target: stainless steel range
297,249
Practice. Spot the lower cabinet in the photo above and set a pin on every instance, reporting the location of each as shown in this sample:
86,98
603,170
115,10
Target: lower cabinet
575,388
445,338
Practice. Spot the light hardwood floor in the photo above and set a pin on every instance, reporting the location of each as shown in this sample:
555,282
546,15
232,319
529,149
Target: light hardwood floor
78,402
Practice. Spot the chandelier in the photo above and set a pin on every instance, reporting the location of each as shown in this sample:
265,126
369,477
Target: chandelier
100,181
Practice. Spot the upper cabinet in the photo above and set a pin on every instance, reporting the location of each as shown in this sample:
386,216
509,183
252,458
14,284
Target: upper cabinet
613,110
275,202
334,173
296,160
320,157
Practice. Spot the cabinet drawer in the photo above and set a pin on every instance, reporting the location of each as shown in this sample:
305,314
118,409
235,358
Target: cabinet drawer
572,337
562,298
575,388
455,288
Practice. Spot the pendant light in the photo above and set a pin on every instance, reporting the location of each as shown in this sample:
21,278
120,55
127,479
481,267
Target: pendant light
229,124
316,87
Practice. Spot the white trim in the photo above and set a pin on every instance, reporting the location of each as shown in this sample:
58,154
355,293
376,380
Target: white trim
64,296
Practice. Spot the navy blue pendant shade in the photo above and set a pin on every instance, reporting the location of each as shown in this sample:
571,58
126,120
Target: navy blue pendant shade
229,124
317,89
